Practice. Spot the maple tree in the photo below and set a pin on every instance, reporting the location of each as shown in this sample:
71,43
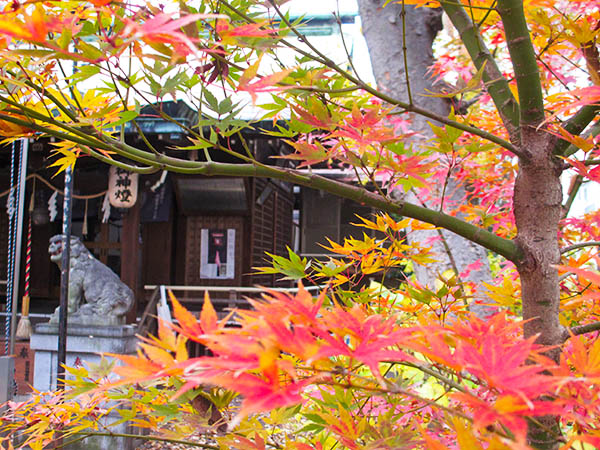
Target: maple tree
381,366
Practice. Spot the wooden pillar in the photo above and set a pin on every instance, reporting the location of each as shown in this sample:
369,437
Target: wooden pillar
130,255
275,216
251,233
232,299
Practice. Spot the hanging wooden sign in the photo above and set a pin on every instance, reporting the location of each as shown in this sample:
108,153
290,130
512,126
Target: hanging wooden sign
122,187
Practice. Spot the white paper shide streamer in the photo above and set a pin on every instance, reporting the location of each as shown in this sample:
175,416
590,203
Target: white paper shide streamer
105,209
53,206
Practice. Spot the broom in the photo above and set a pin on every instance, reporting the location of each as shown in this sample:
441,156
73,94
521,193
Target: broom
24,325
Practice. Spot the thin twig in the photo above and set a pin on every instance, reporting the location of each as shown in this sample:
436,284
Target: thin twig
444,242
486,15
564,276
404,53
579,245
429,371
141,133
348,55
70,87
572,194
149,438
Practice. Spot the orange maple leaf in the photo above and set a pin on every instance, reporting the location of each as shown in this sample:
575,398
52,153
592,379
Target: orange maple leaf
307,152
188,323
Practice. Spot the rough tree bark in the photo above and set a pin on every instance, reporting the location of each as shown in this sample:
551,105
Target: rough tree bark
538,209
383,30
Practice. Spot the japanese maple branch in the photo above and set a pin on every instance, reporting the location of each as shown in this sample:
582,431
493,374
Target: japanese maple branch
564,276
522,54
443,239
483,237
345,46
393,389
579,245
95,139
574,188
429,371
405,54
86,137
580,329
504,247
86,434
88,145
496,85
408,106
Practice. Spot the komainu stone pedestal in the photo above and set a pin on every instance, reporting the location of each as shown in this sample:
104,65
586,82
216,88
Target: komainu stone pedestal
7,375
84,345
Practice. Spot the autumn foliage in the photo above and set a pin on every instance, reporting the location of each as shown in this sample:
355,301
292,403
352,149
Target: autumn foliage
363,375
376,359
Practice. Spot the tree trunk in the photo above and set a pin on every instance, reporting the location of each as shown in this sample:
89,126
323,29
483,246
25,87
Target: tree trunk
537,208
383,30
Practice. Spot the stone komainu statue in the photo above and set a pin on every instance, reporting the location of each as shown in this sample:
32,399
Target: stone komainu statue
96,294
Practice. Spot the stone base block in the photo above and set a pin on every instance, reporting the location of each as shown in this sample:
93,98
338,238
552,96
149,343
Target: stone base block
23,357
7,377
85,344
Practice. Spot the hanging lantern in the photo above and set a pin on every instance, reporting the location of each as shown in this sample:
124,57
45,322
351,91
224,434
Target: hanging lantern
122,187
39,213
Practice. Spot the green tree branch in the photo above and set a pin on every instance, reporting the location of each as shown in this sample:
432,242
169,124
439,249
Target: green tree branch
574,189
495,83
580,329
524,62
485,238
